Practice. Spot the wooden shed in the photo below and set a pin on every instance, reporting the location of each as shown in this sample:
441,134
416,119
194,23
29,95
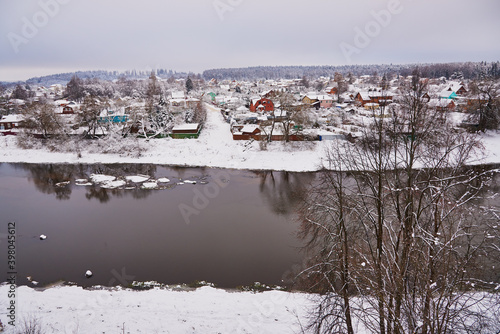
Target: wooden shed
188,130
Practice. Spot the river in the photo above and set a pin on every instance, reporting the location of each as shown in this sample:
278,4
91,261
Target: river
228,227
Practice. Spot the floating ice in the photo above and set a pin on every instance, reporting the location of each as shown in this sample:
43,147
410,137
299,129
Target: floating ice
163,180
113,184
101,178
83,182
62,184
88,274
43,237
137,178
150,185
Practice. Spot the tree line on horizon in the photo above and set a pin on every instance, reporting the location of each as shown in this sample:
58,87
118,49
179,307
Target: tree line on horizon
459,71
465,70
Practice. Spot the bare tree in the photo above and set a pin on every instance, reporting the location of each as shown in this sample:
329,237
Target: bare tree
90,115
305,82
397,240
384,82
41,119
157,120
289,113
484,104
200,112
341,84
326,216
19,93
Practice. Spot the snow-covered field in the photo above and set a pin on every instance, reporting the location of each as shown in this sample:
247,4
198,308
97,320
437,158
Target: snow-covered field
214,148
205,310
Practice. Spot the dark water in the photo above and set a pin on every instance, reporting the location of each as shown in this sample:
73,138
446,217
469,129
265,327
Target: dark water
230,228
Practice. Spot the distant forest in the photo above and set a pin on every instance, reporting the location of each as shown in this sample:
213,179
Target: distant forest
64,78
467,70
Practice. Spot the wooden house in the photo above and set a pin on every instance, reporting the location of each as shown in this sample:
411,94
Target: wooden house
458,88
442,105
269,94
262,104
425,97
11,122
447,94
362,98
192,102
325,101
67,110
310,100
331,90
246,132
318,101
380,98
371,106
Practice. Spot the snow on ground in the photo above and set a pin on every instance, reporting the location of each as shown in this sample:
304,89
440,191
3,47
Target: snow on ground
214,148
205,310
491,143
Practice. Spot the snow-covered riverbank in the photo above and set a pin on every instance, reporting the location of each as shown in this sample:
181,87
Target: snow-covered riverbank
214,148
205,310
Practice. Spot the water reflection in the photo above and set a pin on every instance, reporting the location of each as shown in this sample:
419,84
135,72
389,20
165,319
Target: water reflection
46,177
284,190
59,179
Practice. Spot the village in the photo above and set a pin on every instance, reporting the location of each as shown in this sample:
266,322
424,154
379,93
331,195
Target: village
267,110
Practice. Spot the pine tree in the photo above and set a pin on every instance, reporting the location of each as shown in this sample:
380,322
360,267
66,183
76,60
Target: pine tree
74,89
189,85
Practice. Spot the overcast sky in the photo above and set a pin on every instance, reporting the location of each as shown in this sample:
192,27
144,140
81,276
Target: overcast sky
41,37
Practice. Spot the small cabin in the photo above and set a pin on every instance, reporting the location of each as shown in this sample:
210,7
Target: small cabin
246,132
10,122
67,110
188,130
442,105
